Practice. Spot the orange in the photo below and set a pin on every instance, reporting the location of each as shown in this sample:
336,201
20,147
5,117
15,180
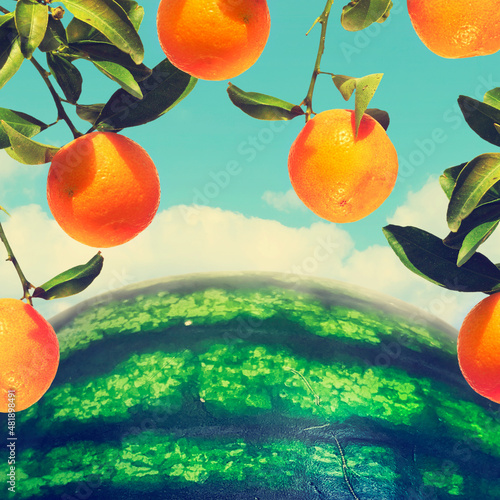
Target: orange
457,28
213,39
29,356
340,177
479,348
103,189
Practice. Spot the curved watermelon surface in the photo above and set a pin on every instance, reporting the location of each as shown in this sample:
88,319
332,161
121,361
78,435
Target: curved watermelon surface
256,387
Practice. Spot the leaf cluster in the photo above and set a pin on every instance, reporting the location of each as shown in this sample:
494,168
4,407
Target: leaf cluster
105,34
473,192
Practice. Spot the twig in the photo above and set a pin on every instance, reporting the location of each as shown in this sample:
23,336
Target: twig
323,20
62,115
26,284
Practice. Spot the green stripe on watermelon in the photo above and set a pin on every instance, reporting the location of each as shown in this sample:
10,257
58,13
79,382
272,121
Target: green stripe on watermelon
285,372
244,464
204,464
190,461
212,306
254,381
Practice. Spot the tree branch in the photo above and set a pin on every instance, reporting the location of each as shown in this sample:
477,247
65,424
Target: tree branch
25,283
323,20
62,115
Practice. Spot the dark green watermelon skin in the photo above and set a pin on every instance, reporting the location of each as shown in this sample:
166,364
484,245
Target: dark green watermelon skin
256,387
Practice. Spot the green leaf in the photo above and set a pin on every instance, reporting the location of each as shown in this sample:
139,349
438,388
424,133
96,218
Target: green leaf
111,20
481,118
427,256
11,57
133,10
103,51
345,84
72,281
163,90
67,76
474,181
386,14
486,213
31,23
25,150
365,88
261,106
78,30
492,98
55,36
89,112
381,116
449,177
5,18
473,240
120,75
359,14
25,124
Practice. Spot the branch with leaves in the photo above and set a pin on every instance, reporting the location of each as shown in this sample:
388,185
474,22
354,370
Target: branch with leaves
105,34
102,33
473,191
356,16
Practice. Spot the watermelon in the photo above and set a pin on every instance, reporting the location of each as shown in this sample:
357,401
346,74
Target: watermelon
256,387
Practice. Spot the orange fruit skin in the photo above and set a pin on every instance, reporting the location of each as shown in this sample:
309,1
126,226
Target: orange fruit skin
29,356
457,28
479,348
340,177
213,39
103,189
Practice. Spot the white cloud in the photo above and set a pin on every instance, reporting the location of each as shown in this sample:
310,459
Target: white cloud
284,202
193,239
379,268
425,209
180,240
198,238
8,166
17,181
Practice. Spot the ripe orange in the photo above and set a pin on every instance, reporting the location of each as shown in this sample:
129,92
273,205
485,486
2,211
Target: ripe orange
103,189
458,28
29,356
213,39
479,347
340,177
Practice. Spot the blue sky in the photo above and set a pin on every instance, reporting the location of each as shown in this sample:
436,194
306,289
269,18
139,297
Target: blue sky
194,144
